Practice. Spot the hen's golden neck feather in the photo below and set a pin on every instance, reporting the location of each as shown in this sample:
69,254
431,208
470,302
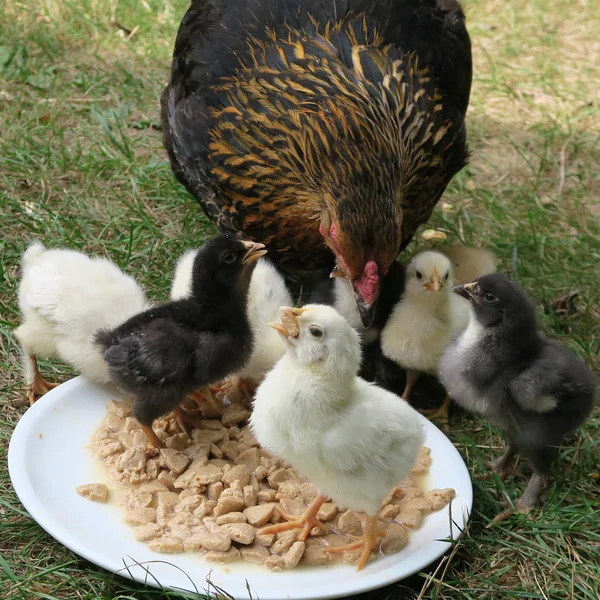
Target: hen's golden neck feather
331,114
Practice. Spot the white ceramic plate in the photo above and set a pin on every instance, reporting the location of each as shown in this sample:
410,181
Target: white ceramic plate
48,457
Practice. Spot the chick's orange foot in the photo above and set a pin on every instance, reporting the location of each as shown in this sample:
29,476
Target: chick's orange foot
525,504
235,387
305,522
440,414
38,388
204,397
366,542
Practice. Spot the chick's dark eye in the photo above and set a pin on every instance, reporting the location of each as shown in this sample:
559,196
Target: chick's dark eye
446,276
489,297
419,275
316,332
229,258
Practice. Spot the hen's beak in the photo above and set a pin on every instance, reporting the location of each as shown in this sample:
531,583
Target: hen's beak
289,324
466,291
255,251
435,284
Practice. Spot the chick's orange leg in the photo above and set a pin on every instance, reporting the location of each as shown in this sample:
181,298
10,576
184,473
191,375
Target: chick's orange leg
305,522
411,379
367,542
151,435
39,386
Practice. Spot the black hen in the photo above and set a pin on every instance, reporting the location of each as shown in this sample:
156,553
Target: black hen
327,130
165,353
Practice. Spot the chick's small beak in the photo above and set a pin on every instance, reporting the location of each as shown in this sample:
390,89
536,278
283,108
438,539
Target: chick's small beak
255,251
289,325
466,291
435,284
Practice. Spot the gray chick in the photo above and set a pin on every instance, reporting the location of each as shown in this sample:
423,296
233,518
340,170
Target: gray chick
531,387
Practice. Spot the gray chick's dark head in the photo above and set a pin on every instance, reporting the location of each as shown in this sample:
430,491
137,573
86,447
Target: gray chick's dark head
225,260
496,300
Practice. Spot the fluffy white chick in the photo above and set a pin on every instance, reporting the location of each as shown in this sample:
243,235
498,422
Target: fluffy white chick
182,279
266,294
350,438
426,319
64,297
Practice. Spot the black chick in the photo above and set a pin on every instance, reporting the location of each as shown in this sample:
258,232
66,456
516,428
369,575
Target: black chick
165,353
529,386
336,291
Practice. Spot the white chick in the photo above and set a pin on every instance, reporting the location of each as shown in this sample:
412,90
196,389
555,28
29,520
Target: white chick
266,294
350,438
182,279
426,319
64,297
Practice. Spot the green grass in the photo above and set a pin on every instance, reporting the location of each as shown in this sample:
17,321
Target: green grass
82,165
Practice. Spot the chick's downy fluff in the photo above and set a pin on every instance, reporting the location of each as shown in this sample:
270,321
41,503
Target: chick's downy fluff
167,352
504,368
352,439
326,130
425,319
64,297
267,292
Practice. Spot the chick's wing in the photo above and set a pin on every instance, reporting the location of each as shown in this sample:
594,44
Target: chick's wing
554,378
159,354
375,434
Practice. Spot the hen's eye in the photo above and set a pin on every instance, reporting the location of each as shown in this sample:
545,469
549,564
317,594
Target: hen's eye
316,332
489,297
229,258
419,275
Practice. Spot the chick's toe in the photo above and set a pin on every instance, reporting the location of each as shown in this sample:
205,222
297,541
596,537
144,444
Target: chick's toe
366,542
305,522
439,414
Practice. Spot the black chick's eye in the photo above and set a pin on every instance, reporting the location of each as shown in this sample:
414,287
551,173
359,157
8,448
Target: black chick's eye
489,297
419,275
316,332
229,258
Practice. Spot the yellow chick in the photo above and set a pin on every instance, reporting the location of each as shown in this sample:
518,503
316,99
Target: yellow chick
425,320
350,438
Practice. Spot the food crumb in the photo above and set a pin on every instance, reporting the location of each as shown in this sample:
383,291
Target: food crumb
96,492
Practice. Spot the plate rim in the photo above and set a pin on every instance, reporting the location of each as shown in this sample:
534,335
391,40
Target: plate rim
26,494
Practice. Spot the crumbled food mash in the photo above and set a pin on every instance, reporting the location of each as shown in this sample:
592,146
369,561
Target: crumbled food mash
98,492
213,492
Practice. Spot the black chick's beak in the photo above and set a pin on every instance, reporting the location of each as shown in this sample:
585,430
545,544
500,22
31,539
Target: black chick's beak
366,312
255,251
466,291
